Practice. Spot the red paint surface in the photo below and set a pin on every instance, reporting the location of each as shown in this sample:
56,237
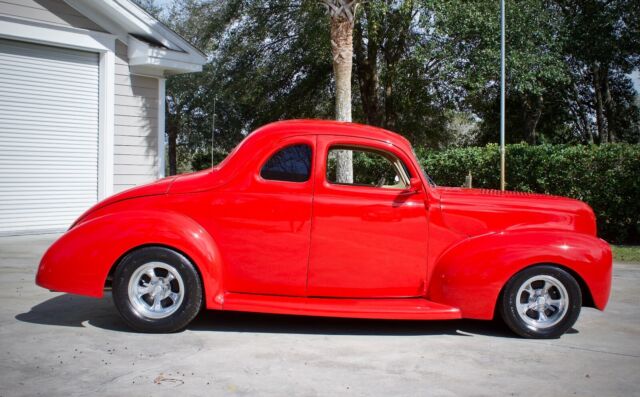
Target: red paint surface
317,248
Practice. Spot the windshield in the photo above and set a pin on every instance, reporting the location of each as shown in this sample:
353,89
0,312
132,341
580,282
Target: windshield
424,173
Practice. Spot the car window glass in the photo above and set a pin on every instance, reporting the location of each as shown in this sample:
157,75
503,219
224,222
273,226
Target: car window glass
370,168
291,164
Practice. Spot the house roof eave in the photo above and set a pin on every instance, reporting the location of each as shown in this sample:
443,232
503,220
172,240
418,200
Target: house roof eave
125,19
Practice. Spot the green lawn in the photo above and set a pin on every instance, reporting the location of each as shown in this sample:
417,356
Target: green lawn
626,253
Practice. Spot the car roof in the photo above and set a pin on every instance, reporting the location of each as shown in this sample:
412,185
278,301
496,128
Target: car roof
282,129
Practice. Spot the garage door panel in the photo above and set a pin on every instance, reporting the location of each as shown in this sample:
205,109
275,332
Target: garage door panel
48,136
60,118
68,76
80,103
45,91
70,64
46,128
59,105
37,92
61,196
30,51
48,181
56,147
81,142
51,157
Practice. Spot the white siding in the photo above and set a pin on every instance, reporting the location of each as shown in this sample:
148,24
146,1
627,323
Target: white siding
136,126
55,12
48,136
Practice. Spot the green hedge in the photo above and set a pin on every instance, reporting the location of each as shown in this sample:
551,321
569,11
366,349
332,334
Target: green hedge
607,177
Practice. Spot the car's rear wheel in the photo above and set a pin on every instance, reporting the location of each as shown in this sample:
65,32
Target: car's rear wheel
156,289
541,302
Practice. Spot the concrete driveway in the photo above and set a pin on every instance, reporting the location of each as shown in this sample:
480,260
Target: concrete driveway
59,344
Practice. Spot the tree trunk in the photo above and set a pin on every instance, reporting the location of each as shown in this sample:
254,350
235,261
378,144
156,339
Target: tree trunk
342,51
390,115
599,104
367,68
608,104
533,111
393,49
172,138
173,158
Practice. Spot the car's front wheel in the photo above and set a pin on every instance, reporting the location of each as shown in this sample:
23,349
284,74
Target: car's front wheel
541,302
156,289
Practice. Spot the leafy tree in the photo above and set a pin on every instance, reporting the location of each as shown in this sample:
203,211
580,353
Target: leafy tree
403,70
603,45
427,69
150,6
563,58
264,66
271,59
535,62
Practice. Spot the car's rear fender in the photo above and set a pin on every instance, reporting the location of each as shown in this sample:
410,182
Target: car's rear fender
471,274
80,261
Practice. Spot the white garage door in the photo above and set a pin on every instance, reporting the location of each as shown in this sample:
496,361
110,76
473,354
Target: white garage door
48,136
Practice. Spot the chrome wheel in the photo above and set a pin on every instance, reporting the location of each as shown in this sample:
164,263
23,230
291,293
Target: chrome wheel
156,290
542,301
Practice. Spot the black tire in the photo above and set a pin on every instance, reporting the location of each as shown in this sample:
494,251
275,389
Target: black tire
526,325
183,309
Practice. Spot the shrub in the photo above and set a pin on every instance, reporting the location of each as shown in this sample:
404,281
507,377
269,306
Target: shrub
607,177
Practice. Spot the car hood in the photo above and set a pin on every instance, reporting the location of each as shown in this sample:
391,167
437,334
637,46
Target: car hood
479,211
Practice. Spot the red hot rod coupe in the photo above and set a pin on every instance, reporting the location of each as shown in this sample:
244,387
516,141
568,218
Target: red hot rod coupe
271,229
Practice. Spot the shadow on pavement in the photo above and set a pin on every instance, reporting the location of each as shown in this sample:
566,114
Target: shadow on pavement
77,311
268,323
74,311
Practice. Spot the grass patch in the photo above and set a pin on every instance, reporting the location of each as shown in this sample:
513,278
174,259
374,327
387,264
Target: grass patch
626,253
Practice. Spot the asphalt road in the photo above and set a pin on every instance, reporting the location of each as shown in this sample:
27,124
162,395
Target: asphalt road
57,344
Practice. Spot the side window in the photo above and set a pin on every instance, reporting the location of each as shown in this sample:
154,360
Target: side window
370,168
290,164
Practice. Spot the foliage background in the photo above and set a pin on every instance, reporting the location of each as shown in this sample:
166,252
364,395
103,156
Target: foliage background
429,70
607,177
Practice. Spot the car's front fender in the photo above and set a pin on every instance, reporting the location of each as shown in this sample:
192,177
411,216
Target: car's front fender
79,261
471,274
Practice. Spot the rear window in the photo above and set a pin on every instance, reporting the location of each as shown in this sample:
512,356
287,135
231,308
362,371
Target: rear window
290,164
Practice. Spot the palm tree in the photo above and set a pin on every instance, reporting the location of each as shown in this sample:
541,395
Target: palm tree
342,14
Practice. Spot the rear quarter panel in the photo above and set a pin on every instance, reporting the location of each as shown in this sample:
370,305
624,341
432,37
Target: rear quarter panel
79,261
470,275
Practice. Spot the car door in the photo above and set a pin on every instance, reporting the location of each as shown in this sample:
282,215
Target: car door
368,238
263,230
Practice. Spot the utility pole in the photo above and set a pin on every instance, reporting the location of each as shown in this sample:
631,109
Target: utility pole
502,96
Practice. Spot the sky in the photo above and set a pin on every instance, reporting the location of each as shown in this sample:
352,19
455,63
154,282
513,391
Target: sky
164,3
635,76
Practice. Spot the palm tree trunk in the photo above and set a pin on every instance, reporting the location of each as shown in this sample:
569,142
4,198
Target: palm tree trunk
342,21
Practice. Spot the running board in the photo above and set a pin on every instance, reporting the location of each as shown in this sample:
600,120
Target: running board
396,309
